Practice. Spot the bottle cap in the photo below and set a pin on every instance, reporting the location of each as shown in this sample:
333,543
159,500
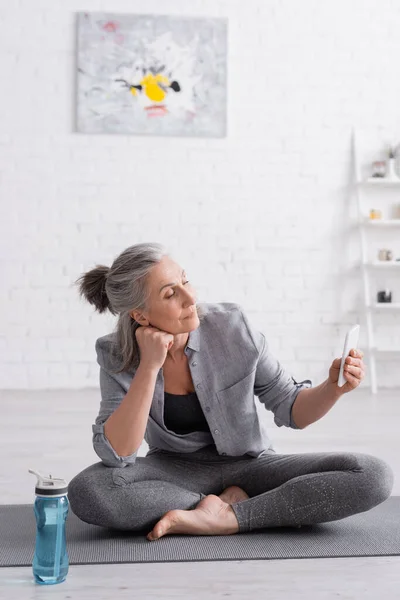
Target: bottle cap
49,486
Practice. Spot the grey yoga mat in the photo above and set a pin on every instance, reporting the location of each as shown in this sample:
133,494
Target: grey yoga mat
372,533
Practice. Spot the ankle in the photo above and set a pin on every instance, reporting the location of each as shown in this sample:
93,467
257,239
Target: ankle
232,521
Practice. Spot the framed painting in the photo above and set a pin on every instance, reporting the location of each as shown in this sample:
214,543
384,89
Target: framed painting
151,74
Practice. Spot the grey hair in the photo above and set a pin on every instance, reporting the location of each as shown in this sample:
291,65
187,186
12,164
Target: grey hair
122,288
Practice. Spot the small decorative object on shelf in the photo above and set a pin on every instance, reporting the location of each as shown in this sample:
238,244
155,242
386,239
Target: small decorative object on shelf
385,254
391,163
375,214
378,168
384,296
396,211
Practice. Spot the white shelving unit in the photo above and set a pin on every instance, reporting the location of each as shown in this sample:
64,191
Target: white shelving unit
365,224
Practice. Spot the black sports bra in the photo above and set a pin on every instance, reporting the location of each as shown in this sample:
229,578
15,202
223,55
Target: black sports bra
183,413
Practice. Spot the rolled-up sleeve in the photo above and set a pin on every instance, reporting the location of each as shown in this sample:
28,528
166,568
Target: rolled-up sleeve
273,385
112,394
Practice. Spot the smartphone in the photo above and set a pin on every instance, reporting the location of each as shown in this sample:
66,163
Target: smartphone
350,342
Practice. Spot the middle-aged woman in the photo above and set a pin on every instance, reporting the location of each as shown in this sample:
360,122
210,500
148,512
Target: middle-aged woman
183,376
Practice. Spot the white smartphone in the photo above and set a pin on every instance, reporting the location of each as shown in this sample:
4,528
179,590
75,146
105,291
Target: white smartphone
350,342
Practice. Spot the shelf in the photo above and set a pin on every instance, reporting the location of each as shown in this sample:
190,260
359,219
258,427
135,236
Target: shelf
383,264
385,306
385,350
386,194
379,181
382,222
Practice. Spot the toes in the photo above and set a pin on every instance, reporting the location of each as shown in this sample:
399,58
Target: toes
157,532
162,527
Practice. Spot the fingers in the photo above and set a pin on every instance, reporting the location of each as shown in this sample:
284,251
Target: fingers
355,357
356,362
352,379
357,353
356,371
354,368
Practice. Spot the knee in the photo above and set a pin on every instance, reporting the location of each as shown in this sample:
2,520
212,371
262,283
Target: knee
378,478
78,493
384,477
87,493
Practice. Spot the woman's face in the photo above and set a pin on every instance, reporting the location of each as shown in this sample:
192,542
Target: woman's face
172,303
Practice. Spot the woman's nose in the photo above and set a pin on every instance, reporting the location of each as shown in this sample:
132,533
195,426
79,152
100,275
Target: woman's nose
190,297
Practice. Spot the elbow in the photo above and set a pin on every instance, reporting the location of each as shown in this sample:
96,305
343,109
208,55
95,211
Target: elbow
292,423
108,456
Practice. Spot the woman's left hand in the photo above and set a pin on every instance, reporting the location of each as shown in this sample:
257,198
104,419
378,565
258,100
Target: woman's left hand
354,371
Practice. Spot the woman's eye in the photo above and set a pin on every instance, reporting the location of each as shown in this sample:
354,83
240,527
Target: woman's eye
173,293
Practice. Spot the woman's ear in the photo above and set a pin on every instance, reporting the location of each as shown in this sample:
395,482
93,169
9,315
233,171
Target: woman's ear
139,318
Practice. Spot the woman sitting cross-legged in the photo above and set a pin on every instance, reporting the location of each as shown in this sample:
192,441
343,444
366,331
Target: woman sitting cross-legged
183,376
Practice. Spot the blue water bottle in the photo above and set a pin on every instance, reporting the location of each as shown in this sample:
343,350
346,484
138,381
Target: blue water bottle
50,561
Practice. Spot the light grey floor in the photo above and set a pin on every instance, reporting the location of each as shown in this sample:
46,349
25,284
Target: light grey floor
51,432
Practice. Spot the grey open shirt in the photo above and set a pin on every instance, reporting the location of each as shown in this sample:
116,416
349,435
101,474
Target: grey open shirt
230,363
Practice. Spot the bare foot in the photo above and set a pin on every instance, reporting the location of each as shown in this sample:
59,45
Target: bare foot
212,516
233,494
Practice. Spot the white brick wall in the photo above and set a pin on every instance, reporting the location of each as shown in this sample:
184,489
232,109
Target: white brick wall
257,218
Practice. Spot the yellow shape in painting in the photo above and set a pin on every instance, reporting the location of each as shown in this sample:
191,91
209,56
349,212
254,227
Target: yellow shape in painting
152,89
133,91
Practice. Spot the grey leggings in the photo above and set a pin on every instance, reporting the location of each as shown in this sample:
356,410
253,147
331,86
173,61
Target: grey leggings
284,489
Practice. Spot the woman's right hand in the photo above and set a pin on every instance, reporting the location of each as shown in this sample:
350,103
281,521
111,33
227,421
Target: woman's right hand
154,345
